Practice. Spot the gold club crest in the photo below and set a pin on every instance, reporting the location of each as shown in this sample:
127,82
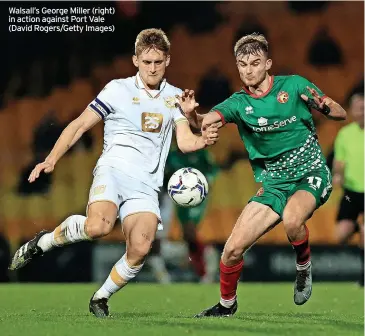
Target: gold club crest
170,102
99,190
282,97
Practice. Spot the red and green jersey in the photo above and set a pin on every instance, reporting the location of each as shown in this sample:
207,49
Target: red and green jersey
277,128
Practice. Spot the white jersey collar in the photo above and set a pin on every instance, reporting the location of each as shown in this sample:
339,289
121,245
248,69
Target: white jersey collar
140,85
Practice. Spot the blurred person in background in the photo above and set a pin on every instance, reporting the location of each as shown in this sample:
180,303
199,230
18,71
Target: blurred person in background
348,173
190,218
202,257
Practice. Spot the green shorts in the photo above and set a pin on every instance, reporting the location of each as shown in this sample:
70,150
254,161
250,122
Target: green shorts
276,192
191,215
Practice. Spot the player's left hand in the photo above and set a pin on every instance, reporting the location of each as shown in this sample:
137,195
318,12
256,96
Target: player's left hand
210,134
187,102
317,102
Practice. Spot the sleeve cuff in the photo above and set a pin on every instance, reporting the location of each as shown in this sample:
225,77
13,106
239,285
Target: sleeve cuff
181,120
221,115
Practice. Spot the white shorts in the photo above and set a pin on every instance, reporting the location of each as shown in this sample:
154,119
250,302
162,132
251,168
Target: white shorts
128,194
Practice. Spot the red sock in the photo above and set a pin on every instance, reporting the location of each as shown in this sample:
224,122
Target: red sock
197,258
302,249
229,277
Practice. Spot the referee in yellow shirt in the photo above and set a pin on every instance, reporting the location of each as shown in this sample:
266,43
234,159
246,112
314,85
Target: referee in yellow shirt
348,172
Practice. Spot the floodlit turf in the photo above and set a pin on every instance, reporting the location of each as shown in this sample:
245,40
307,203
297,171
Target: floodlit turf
142,309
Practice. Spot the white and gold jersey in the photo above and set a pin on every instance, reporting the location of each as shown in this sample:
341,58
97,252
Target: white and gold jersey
138,127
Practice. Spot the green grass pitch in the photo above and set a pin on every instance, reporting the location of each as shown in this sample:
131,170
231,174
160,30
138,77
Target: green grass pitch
167,310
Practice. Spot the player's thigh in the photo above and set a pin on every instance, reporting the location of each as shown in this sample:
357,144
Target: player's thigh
273,194
103,203
299,208
311,192
140,231
255,219
139,211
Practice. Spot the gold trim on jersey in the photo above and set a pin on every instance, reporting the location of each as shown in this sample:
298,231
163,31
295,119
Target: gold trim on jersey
180,120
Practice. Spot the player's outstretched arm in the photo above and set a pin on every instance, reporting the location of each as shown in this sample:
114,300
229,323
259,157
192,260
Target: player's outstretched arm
188,107
326,105
70,135
210,119
189,142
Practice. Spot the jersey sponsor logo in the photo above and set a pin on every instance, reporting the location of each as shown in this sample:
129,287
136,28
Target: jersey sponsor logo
277,124
151,122
249,110
135,100
170,102
262,121
282,97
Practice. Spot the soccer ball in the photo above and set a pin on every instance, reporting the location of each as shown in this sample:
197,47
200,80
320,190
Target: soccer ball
188,187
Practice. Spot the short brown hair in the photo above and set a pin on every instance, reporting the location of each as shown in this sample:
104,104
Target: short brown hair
251,44
152,38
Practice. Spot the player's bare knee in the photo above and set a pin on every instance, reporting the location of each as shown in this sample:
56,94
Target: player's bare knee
292,221
141,246
98,225
233,251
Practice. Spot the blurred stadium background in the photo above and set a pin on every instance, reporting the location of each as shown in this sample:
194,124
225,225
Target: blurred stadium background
50,78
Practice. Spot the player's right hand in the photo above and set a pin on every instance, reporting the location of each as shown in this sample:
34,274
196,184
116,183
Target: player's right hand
45,166
210,134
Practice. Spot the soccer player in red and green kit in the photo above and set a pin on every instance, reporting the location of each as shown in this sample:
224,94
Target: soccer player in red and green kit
273,116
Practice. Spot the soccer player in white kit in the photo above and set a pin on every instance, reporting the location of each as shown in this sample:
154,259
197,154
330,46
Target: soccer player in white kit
139,113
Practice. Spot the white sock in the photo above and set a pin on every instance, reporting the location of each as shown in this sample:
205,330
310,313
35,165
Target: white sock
228,303
120,275
70,231
158,266
304,266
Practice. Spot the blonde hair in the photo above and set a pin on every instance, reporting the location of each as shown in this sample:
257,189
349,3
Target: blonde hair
151,38
253,44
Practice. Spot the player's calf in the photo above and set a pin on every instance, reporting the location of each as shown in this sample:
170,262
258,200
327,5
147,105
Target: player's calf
122,272
297,211
303,280
230,267
139,230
